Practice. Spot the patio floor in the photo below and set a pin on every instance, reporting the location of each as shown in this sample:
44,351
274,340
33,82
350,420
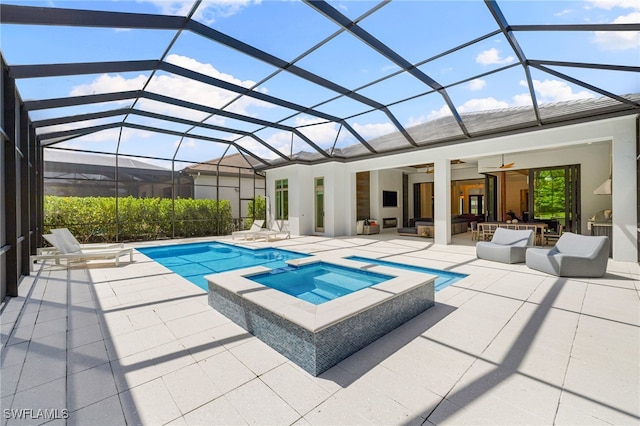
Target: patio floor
507,345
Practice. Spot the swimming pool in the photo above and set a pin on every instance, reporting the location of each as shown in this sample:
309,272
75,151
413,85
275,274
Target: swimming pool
319,282
195,260
444,278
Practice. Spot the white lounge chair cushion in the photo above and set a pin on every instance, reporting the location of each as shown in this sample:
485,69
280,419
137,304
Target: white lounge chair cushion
65,242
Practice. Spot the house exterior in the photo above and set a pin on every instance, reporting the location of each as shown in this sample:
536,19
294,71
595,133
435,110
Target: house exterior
599,146
322,127
230,178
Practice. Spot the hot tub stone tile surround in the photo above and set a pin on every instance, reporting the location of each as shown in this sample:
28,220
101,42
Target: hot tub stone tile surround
316,337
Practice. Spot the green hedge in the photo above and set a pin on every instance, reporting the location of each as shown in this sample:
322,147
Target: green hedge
257,210
93,219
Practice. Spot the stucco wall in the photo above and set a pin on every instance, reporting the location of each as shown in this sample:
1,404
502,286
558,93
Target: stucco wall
586,144
385,180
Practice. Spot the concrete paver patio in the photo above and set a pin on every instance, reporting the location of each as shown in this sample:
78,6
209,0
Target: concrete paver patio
137,344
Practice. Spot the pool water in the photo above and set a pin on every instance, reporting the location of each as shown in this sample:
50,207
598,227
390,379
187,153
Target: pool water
444,278
319,282
194,261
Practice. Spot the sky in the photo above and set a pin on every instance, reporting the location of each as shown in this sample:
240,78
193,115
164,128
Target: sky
419,31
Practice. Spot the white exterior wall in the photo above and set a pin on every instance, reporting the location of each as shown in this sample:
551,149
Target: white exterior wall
339,192
586,144
385,180
442,204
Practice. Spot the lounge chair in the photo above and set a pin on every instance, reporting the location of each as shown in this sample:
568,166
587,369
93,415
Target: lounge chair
573,256
276,230
64,236
66,249
506,246
256,226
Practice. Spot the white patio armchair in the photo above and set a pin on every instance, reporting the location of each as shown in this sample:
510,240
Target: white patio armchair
506,246
573,256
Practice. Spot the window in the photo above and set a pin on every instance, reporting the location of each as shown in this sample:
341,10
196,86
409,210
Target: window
282,199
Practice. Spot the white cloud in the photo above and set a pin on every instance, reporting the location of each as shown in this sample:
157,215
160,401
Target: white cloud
320,131
444,111
564,12
523,99
611,4
477,84
207,69
414,121
179,88
373,130
208,12
492,56
476,104
281,141
187,143
549,91
257,148
483,104
620,40
108,84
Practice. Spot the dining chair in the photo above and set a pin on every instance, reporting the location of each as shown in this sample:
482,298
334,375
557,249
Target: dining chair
553,236
475,231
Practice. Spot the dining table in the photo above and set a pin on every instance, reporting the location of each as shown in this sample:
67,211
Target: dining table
486,229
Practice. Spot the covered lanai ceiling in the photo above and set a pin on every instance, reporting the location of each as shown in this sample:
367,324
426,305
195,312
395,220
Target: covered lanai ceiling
311,81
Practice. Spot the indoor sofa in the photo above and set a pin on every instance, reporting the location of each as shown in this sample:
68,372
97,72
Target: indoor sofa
412,229
459,225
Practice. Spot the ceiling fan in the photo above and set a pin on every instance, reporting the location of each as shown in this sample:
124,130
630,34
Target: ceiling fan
505,166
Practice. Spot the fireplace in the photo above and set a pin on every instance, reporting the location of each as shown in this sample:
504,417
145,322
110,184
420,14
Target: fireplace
389,222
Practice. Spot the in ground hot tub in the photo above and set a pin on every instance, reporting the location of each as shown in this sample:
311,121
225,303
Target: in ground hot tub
319,282
318,336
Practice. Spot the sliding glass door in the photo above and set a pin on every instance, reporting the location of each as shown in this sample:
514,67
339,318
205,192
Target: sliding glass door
555,196
319,204
491,203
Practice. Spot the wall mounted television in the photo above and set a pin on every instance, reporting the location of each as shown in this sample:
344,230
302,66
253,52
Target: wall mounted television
389,199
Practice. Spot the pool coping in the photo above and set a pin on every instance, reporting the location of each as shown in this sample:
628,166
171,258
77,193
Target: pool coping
315,318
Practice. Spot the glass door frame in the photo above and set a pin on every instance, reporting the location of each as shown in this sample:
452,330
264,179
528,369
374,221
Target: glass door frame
318,203
491,197
477,201
572,203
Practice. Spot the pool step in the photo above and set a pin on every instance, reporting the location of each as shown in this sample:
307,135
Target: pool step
338,284
317,296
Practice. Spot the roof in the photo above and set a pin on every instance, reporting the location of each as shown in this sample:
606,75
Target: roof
229,165
311,81
74,157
